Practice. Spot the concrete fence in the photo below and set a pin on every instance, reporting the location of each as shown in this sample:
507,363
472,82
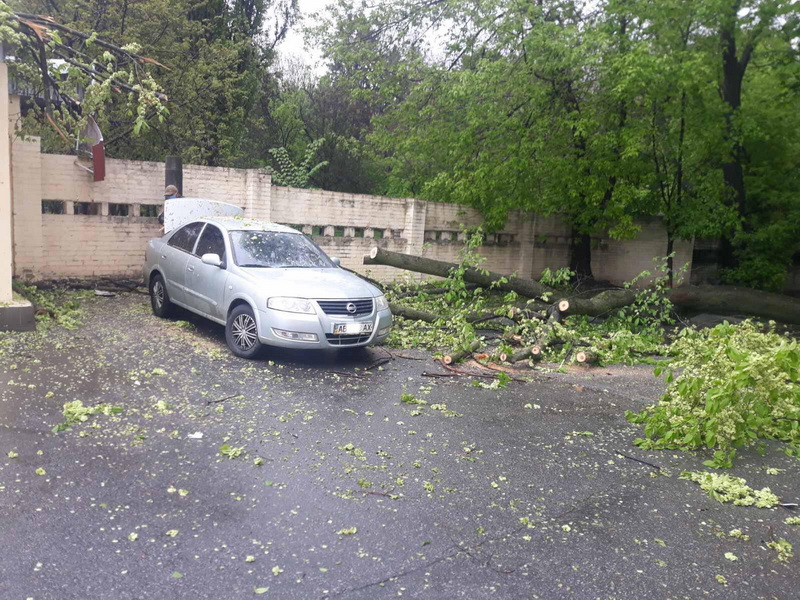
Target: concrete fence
66,226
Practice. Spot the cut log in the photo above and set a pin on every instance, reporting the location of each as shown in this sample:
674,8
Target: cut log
586,357
601,304
529,288
456,356
531,353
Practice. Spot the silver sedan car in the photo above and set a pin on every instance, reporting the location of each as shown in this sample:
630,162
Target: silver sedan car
267,283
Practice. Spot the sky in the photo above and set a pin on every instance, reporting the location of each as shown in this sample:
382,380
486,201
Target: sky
294,44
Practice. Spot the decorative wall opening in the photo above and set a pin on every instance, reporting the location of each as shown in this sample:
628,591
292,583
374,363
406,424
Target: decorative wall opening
86,208
53,207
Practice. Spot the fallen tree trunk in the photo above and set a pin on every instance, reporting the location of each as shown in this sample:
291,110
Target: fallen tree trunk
719,299
731,300
412,313
529,288
407,312
602,303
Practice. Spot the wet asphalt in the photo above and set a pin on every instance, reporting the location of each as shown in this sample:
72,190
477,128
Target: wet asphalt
339,489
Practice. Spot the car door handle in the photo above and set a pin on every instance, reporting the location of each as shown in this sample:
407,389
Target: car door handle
164,256
190,268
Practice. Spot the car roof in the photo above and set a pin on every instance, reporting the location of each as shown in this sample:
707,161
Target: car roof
243,223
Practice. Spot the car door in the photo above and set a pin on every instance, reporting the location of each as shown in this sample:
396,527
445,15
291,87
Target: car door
174,257
205,284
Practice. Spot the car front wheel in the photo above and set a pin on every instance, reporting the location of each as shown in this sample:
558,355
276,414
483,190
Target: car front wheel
241,332
159,298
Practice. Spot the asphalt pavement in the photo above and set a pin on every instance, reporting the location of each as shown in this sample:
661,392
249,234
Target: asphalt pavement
305,475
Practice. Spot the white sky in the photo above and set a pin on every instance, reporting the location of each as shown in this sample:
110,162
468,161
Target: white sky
294,44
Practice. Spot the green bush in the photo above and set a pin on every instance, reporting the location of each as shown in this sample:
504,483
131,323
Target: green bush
728,386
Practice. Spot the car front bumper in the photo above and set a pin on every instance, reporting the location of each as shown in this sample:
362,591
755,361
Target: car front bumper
321,325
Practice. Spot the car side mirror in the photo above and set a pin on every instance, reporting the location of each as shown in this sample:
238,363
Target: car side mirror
211,259
336,261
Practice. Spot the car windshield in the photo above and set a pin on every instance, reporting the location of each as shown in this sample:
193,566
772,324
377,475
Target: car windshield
273,249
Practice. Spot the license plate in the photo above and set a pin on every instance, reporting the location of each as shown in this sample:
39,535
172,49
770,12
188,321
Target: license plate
352,328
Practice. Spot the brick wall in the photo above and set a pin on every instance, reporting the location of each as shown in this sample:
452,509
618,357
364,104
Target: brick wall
78,246
51,246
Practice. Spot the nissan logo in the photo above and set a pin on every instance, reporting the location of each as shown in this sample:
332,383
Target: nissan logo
351,308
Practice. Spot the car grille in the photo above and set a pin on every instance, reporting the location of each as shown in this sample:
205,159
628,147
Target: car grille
339,307
346,340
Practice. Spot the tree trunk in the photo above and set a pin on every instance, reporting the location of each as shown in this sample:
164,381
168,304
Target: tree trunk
412,313
731,90
601,304
524,287
670,258
580,256
720,299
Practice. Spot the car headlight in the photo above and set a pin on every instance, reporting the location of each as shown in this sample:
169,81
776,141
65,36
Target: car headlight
381,303
295,305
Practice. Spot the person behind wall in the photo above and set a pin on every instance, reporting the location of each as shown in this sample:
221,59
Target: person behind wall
169,192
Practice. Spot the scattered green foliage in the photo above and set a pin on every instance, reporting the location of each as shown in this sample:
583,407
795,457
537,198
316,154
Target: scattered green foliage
411,399
75,413
630,335
737,534
57,306
726,488
727,387
783,548
558,279
230,451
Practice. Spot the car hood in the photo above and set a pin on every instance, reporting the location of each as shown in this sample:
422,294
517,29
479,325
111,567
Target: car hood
311,283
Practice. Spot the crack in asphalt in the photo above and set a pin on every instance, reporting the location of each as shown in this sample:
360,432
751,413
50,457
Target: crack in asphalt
393,577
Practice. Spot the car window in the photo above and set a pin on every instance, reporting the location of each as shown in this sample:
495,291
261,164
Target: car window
211,242
274,249
186,236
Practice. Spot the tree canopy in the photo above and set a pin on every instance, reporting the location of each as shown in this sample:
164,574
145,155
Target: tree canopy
602,112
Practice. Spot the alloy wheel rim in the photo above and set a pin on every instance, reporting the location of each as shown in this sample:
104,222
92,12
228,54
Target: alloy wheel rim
244,332
158,294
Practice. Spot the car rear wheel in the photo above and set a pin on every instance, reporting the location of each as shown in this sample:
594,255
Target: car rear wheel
241,332
159,298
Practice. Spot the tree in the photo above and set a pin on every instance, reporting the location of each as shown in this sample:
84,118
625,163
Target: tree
508,118
602,113
758,162
76,75
216,56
